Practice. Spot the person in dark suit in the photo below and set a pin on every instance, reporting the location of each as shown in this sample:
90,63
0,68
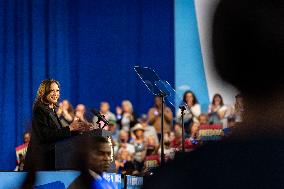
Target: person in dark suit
248,44
94,158
47,128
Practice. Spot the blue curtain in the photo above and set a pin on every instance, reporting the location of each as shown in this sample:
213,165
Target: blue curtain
90,46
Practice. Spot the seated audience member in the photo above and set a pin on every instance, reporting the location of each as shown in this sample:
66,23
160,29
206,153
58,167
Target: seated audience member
126,118
193,136
231,122
27,137
171,135
152,142
208,132
152,159
177,127
65,113
176,144
217,110
231,125
152,147
248,43
139,146
168,150
155,116
83,114
123,142
191,113
21,151
105,111
112,127
203,119
129,169
238,108
149,130
122,157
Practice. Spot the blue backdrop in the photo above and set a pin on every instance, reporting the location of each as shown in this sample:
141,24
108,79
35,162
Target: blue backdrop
188,57
90,46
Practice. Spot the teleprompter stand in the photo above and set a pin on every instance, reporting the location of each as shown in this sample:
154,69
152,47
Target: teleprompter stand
162,89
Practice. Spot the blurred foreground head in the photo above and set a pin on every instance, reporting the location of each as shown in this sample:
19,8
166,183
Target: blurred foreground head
248,45
248,48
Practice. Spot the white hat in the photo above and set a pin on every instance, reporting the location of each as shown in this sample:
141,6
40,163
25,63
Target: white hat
138,126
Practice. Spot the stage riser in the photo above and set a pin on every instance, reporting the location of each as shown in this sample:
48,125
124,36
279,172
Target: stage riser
13,180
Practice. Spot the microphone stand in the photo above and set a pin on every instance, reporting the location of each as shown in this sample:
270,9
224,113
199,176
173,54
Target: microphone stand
162,130
182,108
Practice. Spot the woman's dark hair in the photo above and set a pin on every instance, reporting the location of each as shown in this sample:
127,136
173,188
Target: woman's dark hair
218,95
195,101
43,91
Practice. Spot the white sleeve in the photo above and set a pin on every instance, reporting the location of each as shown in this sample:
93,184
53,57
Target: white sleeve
178,114
196,110
130,148
223,108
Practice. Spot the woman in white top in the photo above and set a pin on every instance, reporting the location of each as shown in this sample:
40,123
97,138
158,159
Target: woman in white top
217,110
191,114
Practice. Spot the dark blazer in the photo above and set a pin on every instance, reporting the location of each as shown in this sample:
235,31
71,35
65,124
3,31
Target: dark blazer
46,130
83,181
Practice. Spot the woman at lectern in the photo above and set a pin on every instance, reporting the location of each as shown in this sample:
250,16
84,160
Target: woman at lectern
47,128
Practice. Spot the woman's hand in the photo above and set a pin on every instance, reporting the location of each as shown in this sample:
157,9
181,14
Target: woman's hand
88,126
59,111
76,125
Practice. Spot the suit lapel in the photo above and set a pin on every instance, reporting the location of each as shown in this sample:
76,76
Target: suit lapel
55,119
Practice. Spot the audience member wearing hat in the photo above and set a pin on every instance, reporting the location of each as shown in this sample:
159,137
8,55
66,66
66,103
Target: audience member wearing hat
149,130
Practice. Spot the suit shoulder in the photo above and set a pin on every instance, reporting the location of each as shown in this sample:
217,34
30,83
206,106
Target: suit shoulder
40,111
40,108
83,181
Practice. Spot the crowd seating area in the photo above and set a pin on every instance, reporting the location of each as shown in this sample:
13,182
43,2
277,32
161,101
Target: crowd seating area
136,138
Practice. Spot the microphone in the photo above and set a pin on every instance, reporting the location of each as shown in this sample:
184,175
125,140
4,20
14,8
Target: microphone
100,117
182,107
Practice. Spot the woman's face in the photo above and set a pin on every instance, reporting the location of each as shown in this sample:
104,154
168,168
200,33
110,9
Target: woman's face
104,108
152,141
139,133
158,101
177,127
172,136
239,100
126,107
124,154
123,137
217,100
189,98
194,130
203,120
54,94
